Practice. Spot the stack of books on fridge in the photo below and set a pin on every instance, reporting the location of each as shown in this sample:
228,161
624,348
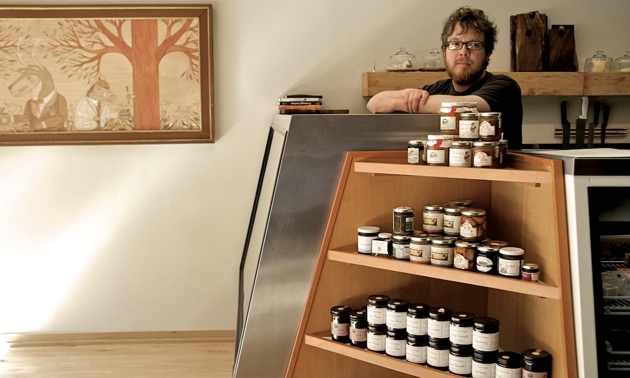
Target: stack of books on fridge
300,104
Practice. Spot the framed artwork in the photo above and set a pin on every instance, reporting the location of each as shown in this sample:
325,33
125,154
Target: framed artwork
106,74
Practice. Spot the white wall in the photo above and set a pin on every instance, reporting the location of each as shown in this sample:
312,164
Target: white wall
132,238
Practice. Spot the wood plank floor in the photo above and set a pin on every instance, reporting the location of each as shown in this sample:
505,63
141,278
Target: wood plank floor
138,358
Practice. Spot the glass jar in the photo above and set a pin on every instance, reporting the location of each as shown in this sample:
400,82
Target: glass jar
402,61
469,126
395,344
415,150
484,154
622,64
536,361
433,61
509,365
416,351
396,318
464,255
450,114
473,225
442,251
377,310
438,353
510,261
436,149
452,219
382,245
484,364
418,319
400,247
365,236
433,219
420,249
486,334
358,328
490,127
487,258
460,360
530,272
439,324
403,220
377,338
598,63
340,323
460,154
461,329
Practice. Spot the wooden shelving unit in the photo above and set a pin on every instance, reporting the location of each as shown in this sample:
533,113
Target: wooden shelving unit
532,83
525,204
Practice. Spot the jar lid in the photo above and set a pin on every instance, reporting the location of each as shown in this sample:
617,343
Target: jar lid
433,208
464,203
440,313
384,235
486,248
484,144
369,229
485,357
530,267
340,309
415,142
398,305
418,339
403,209
464,319
453,209
485,323
440,137
417,238
382,328
490,114
418,309
474,212
469,115
510,359
421,234
449,104
461,143
439,344
461,350
359,314
495,243
512,251
466,244
537,356
443,240
378,299
401,237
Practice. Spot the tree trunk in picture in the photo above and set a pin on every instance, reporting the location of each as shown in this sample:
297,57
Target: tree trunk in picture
145,64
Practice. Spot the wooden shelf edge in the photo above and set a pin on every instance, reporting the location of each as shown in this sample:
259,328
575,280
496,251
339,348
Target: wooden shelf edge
487,174
382,360
537,289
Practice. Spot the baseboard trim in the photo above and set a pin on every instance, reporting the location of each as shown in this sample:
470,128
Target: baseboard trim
39,339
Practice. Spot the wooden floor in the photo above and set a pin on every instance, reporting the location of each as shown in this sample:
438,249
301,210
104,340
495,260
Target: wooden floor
181,357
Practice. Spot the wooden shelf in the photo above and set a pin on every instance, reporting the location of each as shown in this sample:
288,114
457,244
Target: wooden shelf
402,366
538,289
532,83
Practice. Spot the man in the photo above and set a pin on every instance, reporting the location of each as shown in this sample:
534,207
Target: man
468,40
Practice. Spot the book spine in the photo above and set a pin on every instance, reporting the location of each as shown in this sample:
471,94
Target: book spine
300,107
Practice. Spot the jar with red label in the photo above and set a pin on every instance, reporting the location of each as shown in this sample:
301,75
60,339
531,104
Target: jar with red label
490,127
437,149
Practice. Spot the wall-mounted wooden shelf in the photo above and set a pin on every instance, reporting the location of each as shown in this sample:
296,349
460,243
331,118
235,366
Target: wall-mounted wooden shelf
532,83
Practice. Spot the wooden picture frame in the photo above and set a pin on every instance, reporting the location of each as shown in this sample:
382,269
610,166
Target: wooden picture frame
106,74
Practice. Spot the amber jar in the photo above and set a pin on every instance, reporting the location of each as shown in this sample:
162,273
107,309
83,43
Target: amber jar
415,150
460,154
437,149
490,127
484,154
464,255
469,126
500,160
473,225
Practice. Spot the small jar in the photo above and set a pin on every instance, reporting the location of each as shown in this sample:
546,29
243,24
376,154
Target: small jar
537,363
484,364
418,319
449,117
403,220
509,365
452,219
400,247
358,328
461,329
340,323
420,249
500,156
486,260
396,317
439,324
464,255
469,126
382,245
510,261
490,127
377,338
473,225
460,154
436,149
416,351
442,251
396,343
529,272
433,219
438,353
415,150
486,334
484,154
366,235
377,310
460,360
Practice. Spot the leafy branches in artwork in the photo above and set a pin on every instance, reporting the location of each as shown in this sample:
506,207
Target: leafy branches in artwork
8,42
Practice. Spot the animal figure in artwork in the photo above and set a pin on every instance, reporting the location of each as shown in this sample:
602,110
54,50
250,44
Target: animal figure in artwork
46,110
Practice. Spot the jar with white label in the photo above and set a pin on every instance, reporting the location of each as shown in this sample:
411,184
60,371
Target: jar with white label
420,249
382,245
418,319
439,324
460,154
484,154
416,351
436,149
509,365
396,344
536,363
358,328
464,255
433,219
403,220
461,329
438,353
396,317
450,113
473,225
484,364
340,323
487,259
460,360
400,247
442,250
377,338
510,261
452,219
469,126
490,127
377,310
529,272
415,150
486,334
365,236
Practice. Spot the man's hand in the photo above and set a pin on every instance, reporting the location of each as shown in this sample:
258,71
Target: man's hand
407,100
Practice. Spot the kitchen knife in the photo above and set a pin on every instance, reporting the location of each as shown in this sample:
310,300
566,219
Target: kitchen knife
592,125
566,126
604,123
580,124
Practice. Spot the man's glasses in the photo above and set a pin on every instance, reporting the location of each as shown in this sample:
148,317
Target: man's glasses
471,45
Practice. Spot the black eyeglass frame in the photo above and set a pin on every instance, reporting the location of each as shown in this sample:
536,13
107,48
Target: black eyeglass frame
451,45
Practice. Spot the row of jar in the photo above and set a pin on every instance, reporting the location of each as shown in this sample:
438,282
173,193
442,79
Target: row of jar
456,218
461,119
444,150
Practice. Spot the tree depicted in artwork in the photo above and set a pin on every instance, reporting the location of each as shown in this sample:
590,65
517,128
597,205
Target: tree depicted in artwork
79,45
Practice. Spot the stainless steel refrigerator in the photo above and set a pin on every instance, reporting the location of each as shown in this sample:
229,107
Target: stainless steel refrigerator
299,174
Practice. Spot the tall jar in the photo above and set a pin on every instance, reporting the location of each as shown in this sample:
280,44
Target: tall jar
433,219
403,220
415,150
452,219
340,323
490,126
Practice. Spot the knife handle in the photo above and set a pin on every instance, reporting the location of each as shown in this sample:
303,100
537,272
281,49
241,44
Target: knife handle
563,111
596,106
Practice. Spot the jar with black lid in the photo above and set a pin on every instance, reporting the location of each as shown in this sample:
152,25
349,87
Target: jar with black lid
438,353
460,360
396,318
396,343
358,328
418,319
415,150
416,351
377,310
452,219
403,220
438,326
433,219
400,247
461,328
377,338
340,323
484,364
509,365
486,334
490,127
487,259
510,260
537,363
